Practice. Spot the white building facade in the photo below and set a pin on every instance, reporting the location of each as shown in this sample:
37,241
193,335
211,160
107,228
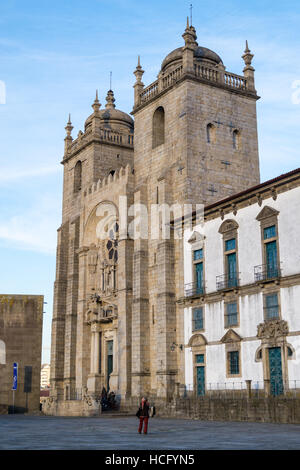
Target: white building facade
242,292
45,376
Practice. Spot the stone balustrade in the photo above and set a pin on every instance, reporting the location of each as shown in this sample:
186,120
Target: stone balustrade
149,92
172,77
203,72
235,81
104,135
116,137
207,73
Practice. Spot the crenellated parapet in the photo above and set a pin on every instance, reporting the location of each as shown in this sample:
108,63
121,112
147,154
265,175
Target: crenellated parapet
121,177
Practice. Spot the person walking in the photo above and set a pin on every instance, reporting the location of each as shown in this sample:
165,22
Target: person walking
143,414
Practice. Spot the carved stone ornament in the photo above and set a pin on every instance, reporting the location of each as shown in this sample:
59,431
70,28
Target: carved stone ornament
196,237
228,225
267,212
231,337
272,329
197,340
99,311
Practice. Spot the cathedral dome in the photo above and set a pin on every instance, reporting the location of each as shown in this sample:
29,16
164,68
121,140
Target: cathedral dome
110,116
200,54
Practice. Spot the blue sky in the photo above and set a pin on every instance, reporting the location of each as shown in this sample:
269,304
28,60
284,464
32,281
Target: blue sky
53,56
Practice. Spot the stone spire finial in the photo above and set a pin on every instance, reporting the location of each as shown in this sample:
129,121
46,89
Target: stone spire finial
138,86
190,35
189,48
68,138
138,71
110,100
247,56
96,105
69,127
248,69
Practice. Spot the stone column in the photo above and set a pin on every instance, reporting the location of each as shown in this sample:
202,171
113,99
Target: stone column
267,387
92,352
59,314
96,352
94,377
140,312
166,359
124,331
71,309
83,329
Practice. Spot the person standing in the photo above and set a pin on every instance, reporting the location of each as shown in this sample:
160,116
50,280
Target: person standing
143,414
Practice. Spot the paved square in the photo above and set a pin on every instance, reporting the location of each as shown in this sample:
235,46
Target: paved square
111,433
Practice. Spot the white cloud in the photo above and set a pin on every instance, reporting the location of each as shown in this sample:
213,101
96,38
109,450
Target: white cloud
11,174
35,229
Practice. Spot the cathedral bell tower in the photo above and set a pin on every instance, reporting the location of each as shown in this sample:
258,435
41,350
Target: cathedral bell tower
195,142
91,336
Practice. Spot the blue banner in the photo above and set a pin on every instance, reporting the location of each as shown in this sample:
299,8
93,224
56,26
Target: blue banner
15,376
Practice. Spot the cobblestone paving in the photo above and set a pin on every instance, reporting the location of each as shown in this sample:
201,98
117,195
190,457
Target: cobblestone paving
111,433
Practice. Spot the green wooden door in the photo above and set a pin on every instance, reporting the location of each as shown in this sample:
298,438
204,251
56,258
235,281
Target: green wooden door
110,361
276,382
200,381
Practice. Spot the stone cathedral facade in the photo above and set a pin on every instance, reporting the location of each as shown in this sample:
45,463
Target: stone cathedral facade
192,140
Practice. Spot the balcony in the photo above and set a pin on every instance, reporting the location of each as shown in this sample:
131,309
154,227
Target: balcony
227,281
193,289
266,272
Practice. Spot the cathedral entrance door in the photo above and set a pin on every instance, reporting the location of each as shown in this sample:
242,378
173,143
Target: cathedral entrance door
276,382
110,360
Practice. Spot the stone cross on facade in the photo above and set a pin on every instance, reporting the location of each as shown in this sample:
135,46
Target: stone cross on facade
212,189
225,163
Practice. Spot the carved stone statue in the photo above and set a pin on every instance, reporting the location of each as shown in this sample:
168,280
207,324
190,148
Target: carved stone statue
99,311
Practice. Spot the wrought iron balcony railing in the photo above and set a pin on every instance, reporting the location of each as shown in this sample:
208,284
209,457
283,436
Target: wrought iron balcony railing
193,289
265,272
227,281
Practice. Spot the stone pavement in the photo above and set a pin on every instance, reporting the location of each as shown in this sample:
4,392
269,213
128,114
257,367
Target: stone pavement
112,433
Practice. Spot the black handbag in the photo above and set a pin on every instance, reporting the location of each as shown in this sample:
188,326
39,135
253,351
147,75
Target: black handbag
138,413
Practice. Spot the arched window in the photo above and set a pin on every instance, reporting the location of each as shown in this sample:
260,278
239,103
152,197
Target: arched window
236,139
2,352
158,136
210,133
258,355
77,176
290,352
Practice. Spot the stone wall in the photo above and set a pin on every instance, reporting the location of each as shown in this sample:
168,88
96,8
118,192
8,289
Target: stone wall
266,410
21,319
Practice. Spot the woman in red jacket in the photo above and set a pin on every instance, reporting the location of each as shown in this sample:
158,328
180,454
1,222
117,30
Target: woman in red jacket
143,415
